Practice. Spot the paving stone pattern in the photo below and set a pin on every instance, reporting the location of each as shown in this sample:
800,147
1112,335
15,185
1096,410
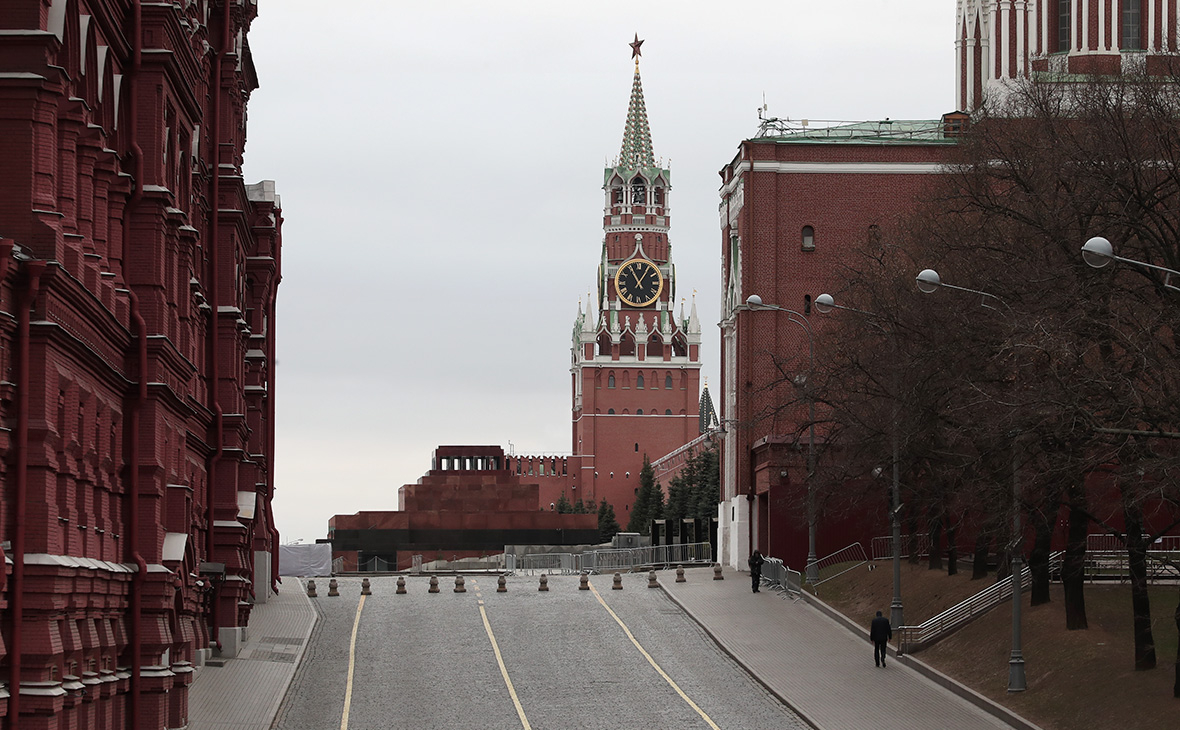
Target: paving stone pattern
245,693
425,661
821,668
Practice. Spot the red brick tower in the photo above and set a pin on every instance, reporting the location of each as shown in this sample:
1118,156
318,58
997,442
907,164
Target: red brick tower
636,363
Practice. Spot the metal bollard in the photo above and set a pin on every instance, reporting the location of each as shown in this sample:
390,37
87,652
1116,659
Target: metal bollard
401,586
311,589
680,574
584,583
433,584
501,585
651,580
459,587
333,588
366,589
544,583
717,572
618,584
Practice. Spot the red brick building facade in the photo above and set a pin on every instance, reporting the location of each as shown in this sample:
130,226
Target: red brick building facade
138,275
999,41
793,201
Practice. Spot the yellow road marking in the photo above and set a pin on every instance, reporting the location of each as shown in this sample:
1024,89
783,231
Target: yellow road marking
524,721
351,665
652,661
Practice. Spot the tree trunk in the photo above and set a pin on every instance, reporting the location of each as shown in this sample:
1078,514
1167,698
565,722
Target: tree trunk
1003,565
1038,559
1073,567
1140,604
912,546
952,553
983,544
935,562
1176,683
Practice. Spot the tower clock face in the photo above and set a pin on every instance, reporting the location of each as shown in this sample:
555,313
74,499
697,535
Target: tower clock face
639,282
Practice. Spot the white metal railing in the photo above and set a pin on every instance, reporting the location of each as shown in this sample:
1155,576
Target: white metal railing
376,565
779,577
882,547
854,554
564,563
915,637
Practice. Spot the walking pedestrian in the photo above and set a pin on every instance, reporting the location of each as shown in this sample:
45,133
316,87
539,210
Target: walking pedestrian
880,632
756,561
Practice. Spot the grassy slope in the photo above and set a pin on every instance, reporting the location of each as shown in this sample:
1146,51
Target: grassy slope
1076,679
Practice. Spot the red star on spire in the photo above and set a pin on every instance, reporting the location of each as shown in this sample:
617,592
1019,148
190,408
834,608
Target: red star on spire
635,52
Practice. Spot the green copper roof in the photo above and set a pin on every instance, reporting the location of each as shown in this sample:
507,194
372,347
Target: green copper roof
636,153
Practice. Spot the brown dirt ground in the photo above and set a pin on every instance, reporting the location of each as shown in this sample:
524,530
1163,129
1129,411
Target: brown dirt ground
1076,679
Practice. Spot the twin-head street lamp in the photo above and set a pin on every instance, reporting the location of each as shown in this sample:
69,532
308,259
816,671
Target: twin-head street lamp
754,302
1098,252
929,282
825,303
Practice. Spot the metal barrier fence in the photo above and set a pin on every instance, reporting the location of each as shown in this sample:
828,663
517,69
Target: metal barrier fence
779,577
416,564
854,554
883,546
618,559
337,565
1110,543
564,563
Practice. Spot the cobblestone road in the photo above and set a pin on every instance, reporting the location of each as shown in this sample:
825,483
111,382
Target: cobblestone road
426,661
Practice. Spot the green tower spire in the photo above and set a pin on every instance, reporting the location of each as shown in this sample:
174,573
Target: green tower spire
636,153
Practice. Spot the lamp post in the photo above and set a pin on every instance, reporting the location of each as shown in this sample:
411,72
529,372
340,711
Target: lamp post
824,303
1098,252
754,302
928,283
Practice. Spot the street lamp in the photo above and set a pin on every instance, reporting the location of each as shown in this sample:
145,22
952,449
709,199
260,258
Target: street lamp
1098,252
755,302
825,303
929,282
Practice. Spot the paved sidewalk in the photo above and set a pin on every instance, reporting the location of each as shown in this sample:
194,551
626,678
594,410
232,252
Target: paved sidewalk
816,665
245,693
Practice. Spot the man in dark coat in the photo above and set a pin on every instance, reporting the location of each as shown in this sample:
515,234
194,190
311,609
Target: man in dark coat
880,632
756,569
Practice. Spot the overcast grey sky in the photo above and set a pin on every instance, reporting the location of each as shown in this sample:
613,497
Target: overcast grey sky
440,166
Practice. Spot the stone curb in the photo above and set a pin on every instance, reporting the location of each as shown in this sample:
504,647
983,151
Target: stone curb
745,667
277,705
989,706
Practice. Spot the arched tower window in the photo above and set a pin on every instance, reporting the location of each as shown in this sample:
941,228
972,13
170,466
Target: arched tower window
668,381
638,191
639,381
639,412
610,380
655,348
658,196
808,238
610,411
667,411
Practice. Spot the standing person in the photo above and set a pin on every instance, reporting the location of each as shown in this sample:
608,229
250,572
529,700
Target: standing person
756,569
880,632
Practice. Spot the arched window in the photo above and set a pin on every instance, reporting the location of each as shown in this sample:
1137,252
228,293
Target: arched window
667,411
639,381
610,411
658,194
610,380
668,381
639,412
1063,25
808,238
638,191
636,448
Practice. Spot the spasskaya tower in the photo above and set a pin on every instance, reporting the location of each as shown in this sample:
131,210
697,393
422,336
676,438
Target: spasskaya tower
635,361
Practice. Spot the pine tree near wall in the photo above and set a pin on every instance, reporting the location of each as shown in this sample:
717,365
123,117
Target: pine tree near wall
649,502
